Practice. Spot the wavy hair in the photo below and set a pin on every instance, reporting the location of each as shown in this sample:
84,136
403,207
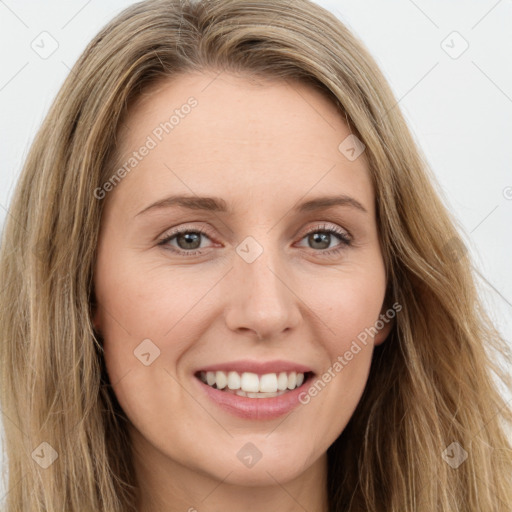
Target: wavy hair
434,382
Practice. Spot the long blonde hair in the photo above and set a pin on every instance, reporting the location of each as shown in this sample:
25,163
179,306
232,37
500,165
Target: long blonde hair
434,382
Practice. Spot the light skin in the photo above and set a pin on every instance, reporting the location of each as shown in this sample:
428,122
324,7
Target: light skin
264,149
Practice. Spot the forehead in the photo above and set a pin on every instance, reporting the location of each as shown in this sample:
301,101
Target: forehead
212,134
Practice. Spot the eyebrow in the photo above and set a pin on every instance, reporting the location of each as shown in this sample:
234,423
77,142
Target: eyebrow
216,204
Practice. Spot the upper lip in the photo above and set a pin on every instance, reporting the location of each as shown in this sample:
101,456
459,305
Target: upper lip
259,367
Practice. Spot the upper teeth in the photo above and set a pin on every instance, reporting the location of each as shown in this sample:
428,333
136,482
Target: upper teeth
252,382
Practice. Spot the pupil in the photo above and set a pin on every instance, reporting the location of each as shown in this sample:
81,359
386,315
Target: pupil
321,238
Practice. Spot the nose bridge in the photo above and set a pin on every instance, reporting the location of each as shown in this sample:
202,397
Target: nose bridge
260,298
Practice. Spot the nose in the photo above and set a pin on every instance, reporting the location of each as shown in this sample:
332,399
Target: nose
260,297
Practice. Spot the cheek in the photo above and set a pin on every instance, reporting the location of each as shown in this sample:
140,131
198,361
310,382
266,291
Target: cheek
140,301
147,315
146,300
357,310
349,304
348,313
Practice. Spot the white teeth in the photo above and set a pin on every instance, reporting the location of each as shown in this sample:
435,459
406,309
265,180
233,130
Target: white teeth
239,392
250,382
210,378
253,385
268,383
233,380
221,380
292,380
282,381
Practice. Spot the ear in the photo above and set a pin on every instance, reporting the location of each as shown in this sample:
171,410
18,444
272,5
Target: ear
95,322
381,336
95,315
385,323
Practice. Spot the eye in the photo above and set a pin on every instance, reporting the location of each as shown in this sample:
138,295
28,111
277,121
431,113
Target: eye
184,241
320,237
188,242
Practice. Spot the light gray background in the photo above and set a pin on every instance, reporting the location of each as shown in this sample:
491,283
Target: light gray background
459,109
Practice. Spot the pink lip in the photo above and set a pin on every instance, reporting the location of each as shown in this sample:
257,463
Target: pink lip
259,367
255,408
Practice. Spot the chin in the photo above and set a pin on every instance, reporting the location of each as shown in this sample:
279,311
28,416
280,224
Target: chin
263,472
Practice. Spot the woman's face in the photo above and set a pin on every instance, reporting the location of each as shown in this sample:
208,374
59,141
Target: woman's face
288,276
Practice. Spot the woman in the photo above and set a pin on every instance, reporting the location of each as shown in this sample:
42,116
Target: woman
173,336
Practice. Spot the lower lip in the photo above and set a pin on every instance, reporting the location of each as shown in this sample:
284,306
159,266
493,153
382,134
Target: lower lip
255,408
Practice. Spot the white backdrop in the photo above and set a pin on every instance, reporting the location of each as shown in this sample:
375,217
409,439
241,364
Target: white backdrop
449,64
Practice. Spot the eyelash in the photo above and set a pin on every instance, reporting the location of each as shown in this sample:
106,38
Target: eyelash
345,239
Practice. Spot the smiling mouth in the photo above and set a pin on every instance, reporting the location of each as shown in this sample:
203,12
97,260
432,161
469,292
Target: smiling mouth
253,385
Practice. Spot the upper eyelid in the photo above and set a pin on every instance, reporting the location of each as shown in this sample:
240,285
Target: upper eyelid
327,227
171,233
